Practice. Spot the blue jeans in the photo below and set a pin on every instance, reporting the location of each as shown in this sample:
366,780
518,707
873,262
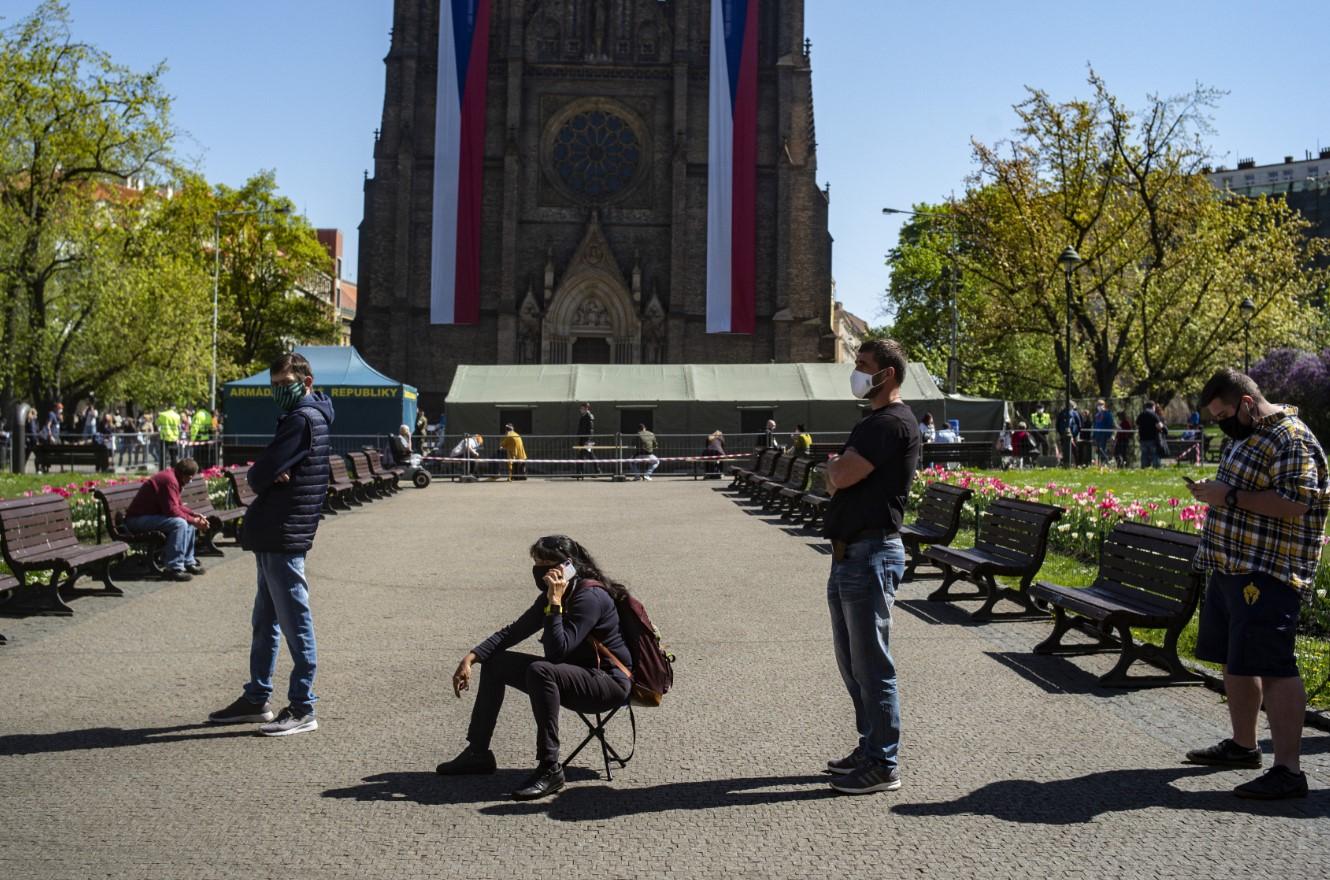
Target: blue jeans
651,462
860,593
281,607
179,549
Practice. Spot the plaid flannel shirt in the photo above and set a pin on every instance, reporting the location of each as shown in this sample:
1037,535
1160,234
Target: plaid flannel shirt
1285,456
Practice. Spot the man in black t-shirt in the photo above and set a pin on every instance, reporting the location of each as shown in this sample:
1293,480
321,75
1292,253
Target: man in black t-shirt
869,482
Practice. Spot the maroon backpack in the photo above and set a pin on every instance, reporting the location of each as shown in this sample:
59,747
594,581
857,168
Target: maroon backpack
653,669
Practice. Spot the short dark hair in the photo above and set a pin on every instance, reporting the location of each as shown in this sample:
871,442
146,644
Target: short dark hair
641,426
799,427
887,353
1230,386
185,468
292,361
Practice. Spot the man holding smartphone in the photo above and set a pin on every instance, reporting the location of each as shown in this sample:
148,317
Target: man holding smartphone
1261,547
869,482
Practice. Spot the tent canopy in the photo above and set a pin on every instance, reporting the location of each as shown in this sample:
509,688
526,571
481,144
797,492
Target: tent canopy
365,401
672,398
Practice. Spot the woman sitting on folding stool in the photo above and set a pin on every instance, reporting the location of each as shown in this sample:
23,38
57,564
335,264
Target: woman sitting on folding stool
586,664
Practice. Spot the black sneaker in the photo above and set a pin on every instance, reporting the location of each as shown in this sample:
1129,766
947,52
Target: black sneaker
471,762
177,574
195,568
870,777
1226,753
848,764
1276,784
546,780
242,711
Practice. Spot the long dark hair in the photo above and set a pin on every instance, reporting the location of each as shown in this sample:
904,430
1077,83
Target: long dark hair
557,548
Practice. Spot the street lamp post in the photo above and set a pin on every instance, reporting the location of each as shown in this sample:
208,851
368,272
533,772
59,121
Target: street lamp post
1068,260
952,282
216,280
1248,309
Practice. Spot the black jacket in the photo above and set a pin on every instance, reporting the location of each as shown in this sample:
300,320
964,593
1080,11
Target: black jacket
285,516
586,426
588,612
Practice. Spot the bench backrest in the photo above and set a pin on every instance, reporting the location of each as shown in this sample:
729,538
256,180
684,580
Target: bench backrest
941,507
798,477
240,488
820,451
817,483
194,495
31,525
337,475
1017,530
765,462
781,472
1151,566
358,462
375,462
115,503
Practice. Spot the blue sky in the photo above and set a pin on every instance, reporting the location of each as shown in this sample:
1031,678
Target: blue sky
900,88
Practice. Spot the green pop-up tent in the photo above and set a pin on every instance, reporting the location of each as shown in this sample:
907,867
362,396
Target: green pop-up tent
366,402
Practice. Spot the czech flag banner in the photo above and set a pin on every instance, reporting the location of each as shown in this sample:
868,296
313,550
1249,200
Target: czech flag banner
732,187
459,142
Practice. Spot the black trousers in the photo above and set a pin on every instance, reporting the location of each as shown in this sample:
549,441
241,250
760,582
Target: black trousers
549,685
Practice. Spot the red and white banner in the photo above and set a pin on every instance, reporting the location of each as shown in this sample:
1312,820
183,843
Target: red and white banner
732,188
459,143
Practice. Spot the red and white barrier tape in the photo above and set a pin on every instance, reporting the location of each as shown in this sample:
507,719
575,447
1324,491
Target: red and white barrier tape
586,460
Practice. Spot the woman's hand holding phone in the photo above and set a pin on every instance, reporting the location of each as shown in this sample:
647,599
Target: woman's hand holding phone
557,580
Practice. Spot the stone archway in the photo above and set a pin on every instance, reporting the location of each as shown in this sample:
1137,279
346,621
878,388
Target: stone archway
591,317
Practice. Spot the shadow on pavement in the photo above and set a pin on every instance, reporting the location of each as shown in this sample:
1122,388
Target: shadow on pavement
1054,673
583,803
1084,798
114,738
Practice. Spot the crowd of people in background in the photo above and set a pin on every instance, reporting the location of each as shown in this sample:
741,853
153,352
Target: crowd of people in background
161,437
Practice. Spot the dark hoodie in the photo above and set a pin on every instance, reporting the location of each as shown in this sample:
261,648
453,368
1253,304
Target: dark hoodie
284,517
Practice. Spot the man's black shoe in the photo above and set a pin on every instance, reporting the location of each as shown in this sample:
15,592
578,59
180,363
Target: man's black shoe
1225,753
546,780
471,762
195,568
1277,784
177,574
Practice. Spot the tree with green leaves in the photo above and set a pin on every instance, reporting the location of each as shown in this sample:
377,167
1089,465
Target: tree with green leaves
1166,259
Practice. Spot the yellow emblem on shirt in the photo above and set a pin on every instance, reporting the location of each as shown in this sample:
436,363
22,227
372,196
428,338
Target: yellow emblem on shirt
1250,594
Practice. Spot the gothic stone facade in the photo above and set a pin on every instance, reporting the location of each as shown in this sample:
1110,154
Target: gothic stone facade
595,195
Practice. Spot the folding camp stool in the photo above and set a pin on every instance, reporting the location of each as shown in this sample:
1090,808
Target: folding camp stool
597,731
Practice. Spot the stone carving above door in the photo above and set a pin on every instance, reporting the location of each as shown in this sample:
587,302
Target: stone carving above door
592,300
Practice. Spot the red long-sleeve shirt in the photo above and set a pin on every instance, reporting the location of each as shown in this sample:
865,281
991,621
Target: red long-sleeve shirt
159,495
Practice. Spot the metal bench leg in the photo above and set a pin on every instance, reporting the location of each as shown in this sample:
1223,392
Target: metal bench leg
1062,624
108,585
943,593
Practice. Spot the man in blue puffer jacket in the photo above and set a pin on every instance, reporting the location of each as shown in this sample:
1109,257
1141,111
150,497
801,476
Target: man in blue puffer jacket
291,481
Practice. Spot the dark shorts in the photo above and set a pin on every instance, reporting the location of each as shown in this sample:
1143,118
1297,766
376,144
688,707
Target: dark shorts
1248,623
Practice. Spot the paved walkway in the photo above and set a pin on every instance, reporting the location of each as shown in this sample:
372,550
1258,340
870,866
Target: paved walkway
1013,765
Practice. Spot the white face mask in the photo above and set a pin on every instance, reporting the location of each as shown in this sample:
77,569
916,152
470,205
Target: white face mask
861,384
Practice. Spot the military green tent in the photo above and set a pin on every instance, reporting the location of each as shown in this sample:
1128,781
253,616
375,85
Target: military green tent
669,398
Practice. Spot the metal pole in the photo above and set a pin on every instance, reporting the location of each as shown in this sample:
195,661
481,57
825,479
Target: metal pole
1246,346
1067,275
216,280
954,367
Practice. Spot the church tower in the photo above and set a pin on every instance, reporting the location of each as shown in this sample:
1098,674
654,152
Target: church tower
593,233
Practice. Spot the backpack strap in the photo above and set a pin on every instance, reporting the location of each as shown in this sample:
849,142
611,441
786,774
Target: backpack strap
596,643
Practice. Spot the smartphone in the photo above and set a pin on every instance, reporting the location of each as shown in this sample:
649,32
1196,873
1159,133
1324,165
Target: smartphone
1189,481
569,570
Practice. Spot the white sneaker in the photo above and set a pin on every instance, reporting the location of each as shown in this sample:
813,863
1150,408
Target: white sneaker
288,722
646,477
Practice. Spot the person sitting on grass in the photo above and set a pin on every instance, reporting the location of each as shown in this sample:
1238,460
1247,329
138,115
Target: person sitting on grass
585,664
157,508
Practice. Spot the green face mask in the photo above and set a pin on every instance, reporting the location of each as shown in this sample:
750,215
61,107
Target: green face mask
287,396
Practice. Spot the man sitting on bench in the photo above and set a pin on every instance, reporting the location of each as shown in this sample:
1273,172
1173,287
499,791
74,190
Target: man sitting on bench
157,508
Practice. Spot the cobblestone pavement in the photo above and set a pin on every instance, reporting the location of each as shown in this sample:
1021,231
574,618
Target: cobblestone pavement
1014,766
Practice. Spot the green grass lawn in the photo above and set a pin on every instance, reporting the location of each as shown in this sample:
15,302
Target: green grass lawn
1132,484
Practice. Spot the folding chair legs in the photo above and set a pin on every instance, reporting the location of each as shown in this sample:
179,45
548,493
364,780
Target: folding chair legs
596,731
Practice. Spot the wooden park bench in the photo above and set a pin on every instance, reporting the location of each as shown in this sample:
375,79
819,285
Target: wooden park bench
7,583
970,453
392,474
759,484
345,492
241,492
194,495
1011,539
785,497
745,466
359,464
115,501
938,521
813,503
94,455
1146,581
37,535
766,460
